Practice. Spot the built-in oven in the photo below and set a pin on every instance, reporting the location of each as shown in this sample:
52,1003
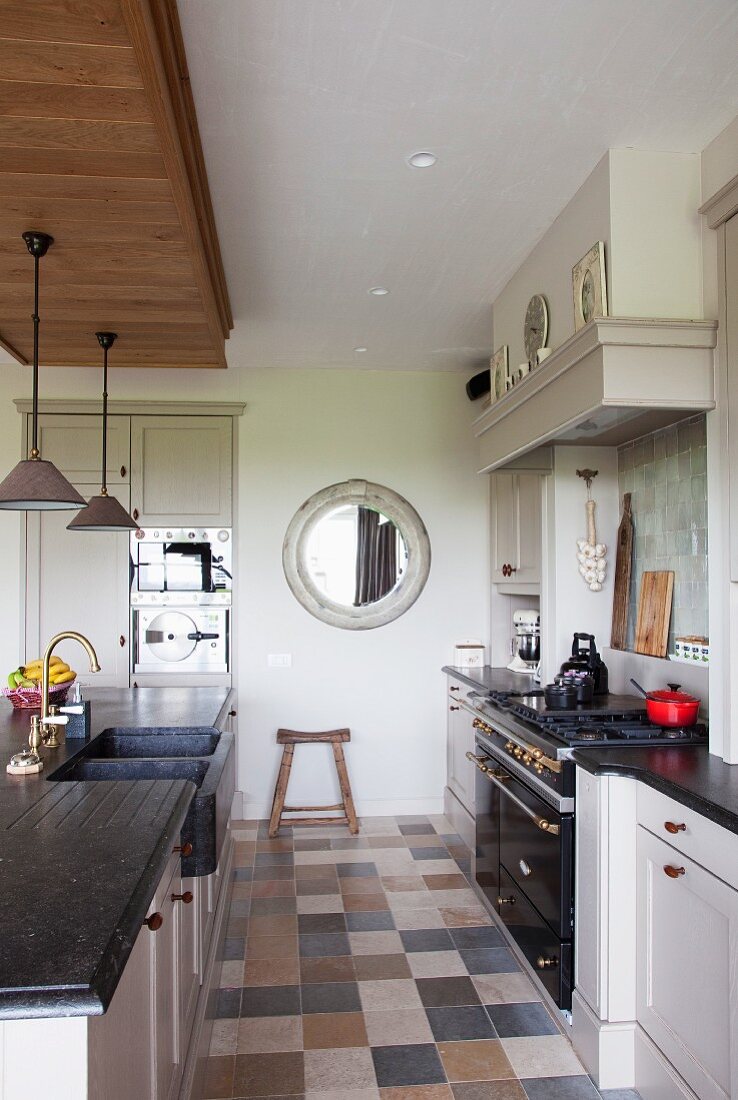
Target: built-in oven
190,560
524,866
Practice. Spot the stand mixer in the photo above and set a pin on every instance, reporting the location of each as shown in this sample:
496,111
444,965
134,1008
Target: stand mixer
527,642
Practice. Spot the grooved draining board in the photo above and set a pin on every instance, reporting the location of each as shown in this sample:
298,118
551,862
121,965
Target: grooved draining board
654,613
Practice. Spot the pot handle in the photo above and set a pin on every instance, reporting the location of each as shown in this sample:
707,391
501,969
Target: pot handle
637,685
674,687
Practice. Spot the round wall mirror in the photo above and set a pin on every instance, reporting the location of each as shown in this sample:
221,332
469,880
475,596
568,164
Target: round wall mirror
356,555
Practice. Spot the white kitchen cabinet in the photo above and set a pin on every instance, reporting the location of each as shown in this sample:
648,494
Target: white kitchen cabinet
78,580
459,741
165,986
74,444
687,963
181,470
515,516
188,967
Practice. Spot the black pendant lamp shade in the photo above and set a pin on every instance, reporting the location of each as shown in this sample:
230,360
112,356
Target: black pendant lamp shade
104,513
34,484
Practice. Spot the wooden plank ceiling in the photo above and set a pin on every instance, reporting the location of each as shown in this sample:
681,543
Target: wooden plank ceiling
99,147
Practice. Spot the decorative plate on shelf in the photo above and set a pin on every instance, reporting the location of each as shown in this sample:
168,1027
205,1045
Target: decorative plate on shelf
498,372
588,286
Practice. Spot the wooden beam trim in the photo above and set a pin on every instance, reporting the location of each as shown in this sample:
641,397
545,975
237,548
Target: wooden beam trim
142,28
14,352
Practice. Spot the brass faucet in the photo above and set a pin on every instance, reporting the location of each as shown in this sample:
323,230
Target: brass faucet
49,715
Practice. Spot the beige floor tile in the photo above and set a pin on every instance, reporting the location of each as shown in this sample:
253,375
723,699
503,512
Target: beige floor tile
407,920
339,1071
302,859
436,964
397,1026
542,1056
224,1037
231,973
385,996
415,899
496,989
375,943
269,1034
470,916
445,898
395,884
342,1094
320,903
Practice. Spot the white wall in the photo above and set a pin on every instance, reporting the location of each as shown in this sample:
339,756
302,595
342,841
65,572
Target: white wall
303,430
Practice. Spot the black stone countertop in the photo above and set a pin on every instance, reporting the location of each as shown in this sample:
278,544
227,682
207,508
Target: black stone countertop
493,679
80,862
692,776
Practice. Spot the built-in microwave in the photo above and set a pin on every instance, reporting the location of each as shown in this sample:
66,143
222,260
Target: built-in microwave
181,562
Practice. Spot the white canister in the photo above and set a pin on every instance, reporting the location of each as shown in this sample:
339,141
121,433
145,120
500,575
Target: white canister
469,654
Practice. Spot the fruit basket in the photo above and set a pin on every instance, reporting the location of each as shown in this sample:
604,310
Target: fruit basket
30,698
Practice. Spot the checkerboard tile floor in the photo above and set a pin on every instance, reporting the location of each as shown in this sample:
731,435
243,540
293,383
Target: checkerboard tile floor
365,969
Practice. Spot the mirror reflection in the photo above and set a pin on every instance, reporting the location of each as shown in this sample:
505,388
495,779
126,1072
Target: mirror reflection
356,555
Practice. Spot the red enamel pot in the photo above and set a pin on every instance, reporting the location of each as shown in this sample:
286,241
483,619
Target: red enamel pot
670,708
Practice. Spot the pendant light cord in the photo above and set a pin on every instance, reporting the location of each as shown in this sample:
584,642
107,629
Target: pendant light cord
36,322
104,489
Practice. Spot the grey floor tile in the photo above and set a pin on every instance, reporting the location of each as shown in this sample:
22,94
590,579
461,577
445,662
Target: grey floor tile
511,1020
560,1088
427,939
331,997
490,960
465,1022
274,1000
418,1064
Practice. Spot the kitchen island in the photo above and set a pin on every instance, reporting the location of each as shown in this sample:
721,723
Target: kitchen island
80,861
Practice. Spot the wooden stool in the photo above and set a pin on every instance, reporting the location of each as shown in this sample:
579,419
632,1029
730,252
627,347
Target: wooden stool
290,738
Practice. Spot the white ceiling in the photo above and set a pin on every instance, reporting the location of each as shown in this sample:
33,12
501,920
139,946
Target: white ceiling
307,109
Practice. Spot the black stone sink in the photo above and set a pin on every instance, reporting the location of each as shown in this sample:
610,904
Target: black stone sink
205,757
124,744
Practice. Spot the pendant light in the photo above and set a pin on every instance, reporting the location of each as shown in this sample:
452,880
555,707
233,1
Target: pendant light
104,513
34,484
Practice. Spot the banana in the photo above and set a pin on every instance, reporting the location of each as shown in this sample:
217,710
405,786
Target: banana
12,682
64,677
35,671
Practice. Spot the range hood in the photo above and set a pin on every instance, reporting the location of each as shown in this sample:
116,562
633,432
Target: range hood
616,379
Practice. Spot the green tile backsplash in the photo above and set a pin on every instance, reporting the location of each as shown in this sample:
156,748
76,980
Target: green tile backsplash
666,473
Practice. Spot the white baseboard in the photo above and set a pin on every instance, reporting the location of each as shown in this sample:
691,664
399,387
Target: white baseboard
368,807
460,818
656,1079
606,1049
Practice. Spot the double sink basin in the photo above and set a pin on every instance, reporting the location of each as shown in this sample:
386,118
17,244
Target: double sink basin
205,757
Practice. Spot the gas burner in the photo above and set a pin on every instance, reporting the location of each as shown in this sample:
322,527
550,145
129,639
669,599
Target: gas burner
674,733
584,734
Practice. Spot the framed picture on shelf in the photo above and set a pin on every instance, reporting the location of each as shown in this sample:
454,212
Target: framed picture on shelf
589,287
498,373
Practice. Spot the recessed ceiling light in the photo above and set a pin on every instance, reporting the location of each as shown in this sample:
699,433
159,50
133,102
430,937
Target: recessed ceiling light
422,160
361,349
378,291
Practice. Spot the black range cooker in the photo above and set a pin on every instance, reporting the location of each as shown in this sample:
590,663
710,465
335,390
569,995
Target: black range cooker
525,805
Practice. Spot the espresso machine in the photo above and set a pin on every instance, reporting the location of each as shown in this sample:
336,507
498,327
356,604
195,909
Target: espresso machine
527,642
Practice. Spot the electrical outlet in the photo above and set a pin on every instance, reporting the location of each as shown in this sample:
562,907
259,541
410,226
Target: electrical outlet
279,660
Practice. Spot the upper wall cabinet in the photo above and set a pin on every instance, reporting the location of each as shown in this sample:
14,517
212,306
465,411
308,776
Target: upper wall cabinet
181,470
73,444
516,504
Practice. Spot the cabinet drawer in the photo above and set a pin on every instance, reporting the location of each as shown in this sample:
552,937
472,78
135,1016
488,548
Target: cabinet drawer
549,956
689,832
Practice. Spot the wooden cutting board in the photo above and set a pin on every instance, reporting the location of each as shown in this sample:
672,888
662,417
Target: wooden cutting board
621,591
654,613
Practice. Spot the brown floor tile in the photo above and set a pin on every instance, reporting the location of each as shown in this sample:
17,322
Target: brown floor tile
478,1060
276,924
242,860
273,888
269,1074
334,968
489,1090
237,926
445,882
402,883
329,1030
219,1076
271,947
364,903
271,972
417,1092
372,968
279,844
387,842
314,886
456,916
315,870
369,885
269,1034
241,891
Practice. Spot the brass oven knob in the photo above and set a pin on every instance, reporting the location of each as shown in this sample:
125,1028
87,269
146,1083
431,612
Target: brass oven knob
527,758
509,745
517,752
477,724
543,963
537,753
539,769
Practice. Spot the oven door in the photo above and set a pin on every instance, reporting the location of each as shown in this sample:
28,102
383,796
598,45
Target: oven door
487,815
550,956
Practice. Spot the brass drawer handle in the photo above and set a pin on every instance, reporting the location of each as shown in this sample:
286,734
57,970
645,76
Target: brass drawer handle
154,922
673,828
546,963
674,872
185,849
506,901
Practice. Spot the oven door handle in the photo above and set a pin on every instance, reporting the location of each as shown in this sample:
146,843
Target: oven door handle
497,778
198,636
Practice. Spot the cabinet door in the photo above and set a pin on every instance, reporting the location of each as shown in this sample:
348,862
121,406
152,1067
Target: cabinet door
528,514
188,961
79,580
181,470
74,444
687,965
165,987
504,525
460,740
